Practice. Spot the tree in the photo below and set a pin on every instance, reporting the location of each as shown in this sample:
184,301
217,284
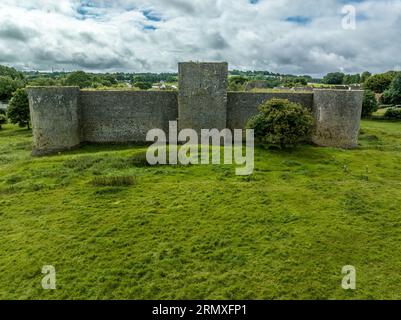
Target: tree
379,83
393,94
79,79
18,109
9,85
369,104
294,82
365,76
352,79
3,120
11,72
143,85
386,98
236,83
334,78
43,82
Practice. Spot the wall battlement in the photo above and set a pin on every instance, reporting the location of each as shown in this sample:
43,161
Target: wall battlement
64,117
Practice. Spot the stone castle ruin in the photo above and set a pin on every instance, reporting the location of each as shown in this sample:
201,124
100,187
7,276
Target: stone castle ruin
64,117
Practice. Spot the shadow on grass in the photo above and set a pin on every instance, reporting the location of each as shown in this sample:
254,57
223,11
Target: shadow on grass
308,152
10,131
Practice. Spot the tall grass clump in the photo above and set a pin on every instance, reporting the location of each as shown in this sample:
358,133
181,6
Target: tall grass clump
116,181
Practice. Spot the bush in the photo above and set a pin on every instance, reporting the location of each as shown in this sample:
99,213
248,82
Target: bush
369,104
3,120
393,114
282,123
18,109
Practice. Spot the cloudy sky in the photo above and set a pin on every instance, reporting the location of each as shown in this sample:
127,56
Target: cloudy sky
286,36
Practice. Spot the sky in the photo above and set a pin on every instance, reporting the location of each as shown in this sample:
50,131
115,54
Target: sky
285,36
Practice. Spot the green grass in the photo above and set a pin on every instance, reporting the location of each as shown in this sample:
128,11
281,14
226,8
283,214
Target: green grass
200,232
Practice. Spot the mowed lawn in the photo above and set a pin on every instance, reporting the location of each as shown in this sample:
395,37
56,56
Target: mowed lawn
200,232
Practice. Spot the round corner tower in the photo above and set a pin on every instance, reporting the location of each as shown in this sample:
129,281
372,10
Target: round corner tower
55,118
338,117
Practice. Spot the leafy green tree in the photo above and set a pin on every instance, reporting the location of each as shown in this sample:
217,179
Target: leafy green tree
236,83
9,85
43,82
334,78
369,104
302,81
282,123
3,120
379,83
104,80
110,78
352,79
393,94
79,79
365,76
294,82
18,109
11,72
143,85
238,79
386,98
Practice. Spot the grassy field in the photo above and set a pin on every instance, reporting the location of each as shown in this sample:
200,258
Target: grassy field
200,232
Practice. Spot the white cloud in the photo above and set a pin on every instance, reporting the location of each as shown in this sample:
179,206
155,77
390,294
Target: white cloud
153,35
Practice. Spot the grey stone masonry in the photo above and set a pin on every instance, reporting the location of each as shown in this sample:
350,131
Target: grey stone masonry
244,105
202,99
55,118
125,116
338,117
63,117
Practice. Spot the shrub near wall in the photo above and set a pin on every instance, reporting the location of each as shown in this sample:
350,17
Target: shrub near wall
282,123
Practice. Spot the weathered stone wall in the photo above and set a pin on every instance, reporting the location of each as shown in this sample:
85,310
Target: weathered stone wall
125,116
243,105
55,118
256,84
202,99
338,115
63,117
